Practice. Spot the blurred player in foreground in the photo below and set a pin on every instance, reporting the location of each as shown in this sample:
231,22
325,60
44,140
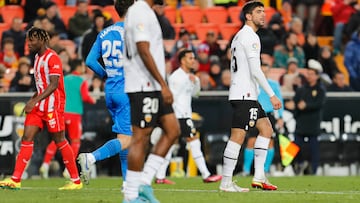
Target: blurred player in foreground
150,99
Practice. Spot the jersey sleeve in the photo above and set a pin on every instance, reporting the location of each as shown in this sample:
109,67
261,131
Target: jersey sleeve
92,58
196,87
252,47
55,67
141,26
174,84
85,94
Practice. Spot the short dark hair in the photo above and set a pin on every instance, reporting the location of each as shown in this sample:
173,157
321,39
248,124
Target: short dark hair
76,63
248,8
121,6
183,53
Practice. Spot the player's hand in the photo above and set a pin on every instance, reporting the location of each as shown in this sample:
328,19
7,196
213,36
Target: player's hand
167,95
192,77
276,103
29,106
279,123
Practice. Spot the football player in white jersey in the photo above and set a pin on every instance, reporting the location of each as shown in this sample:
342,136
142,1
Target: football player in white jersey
246,76
150,99
184,85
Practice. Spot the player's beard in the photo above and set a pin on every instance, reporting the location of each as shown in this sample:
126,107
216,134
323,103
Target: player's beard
259,24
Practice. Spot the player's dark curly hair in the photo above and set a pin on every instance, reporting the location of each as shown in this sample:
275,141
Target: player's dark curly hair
38,33
248,8
121,6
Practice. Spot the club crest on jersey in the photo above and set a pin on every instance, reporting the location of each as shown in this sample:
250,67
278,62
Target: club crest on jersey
251,123
50,115
255,46
148,118
140,27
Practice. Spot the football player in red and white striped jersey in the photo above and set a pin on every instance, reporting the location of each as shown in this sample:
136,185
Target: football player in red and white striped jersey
46,106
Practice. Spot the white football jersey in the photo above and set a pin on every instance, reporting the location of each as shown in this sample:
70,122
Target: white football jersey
245,45
142,25
183,89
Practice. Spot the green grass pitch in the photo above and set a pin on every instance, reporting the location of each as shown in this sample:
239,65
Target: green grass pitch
192,190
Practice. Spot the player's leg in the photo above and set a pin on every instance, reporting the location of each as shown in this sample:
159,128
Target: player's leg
56,128
49,154
73,124
161,173
269,157
271,151
189,131
136,158
233,146
171,132
195,146
231,154
33,124
249,151
23,157
139,143
122,125
260,150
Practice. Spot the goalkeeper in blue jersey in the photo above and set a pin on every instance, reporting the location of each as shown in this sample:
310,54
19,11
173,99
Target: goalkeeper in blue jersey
109,47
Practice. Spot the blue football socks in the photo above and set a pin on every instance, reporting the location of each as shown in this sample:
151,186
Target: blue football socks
269,158
248,160
124,162
109,149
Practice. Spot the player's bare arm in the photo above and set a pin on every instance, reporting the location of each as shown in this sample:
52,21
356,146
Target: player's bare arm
54,80
144,52
275,102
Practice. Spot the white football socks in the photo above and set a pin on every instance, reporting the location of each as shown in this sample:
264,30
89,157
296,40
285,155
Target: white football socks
260,151
161,173
198,156
133,181
231,154
152,164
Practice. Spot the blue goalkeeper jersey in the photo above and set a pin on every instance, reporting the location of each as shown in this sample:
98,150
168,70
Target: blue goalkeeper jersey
109,46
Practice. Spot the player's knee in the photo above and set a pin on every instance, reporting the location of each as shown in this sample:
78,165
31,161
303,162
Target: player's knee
125,141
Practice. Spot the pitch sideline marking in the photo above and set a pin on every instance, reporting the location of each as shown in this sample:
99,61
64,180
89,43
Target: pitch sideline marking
269,192
218,191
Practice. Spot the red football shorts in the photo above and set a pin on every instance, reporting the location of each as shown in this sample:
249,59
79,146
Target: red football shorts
54,120
73,124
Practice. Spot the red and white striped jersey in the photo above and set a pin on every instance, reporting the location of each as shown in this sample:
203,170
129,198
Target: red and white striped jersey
44,66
